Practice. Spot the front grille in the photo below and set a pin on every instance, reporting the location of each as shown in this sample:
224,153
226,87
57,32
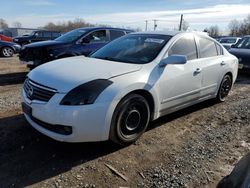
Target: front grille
59,129
35,91
39,55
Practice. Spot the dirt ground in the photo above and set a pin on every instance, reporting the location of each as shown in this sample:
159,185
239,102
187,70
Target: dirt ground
195,147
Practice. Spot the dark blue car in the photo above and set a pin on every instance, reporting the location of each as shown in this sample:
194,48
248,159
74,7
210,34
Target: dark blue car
242,51
81,41
8,49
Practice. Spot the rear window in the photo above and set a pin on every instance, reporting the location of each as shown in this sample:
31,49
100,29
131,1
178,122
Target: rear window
207,48
219,49
55,35
116,34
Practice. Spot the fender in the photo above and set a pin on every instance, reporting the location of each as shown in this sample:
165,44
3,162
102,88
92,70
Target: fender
119,94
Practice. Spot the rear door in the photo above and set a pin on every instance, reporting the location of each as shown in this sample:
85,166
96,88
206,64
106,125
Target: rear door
212,62
180,84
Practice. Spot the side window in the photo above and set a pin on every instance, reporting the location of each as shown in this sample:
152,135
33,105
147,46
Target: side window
207,48
98,36
116,34
39,34
46,34
184,46
219,49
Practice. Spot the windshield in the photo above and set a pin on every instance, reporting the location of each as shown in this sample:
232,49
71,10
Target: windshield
243,43
72,35
228,40
133,48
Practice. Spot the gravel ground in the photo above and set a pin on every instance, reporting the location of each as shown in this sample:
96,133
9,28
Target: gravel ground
194,147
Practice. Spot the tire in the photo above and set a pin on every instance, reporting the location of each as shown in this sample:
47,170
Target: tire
130,119
225,87
7,51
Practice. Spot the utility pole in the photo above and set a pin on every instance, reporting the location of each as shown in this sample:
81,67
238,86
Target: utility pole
155,24
180,26
146,25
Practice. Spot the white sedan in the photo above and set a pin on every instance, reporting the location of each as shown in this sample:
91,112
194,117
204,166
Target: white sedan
119,89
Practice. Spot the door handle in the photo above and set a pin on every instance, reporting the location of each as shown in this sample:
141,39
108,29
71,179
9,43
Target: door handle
223,63
197,71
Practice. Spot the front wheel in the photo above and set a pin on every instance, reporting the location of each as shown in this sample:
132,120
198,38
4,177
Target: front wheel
224,89
7,52
130,119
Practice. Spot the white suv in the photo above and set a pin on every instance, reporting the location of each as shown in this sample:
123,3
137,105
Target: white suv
118,90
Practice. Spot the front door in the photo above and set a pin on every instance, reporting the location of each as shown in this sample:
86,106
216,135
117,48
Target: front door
96,40
180,84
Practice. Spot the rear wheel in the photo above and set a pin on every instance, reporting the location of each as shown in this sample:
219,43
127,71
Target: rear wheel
7,52
130,119
224,89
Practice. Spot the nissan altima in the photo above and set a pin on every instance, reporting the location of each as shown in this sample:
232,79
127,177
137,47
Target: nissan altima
119,89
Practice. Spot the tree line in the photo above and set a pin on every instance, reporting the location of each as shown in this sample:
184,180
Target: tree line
236,28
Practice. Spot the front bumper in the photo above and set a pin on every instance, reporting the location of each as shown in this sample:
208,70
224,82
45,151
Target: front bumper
88,122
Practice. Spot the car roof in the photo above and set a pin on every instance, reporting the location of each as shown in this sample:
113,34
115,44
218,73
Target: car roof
171,33
230,38
97,28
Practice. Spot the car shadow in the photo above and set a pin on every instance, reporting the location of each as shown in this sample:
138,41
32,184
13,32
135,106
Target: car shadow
28,157
12,78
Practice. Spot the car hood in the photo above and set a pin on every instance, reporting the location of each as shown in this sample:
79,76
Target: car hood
23,37
44,44
68,73
240,52
7,43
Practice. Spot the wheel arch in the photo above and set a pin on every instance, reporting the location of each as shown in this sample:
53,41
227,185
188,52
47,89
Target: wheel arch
1,48
229,73
137,88
149,98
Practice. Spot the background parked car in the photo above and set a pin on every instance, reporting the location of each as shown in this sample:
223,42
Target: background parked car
242,51
8,49
36,36
227,42
81,41
5,38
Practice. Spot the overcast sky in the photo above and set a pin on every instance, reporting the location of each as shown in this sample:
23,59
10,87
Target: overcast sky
128,13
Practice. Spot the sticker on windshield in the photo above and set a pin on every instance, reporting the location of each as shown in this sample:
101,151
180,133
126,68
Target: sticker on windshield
159,41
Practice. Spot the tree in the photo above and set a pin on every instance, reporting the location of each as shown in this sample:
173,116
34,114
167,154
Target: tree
67,26
17,24
213,31
240,28
234,27
3,24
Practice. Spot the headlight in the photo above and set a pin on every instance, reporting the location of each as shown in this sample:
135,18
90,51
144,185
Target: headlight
86,93
17,46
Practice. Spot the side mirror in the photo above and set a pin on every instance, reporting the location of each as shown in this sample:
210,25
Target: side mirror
233,46
174,59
